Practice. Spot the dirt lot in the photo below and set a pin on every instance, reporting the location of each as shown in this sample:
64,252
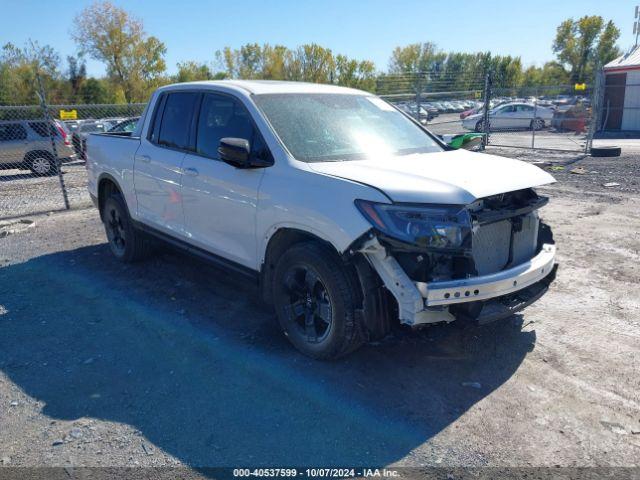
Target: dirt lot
168,363
24,193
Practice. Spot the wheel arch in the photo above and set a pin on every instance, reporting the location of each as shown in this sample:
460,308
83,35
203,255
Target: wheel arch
279,241
107,184
30,155
375,305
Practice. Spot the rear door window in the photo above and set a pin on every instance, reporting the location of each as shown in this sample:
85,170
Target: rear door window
40,128
12,132
177,117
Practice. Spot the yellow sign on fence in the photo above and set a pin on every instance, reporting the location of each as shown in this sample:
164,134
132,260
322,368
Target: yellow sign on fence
68,114
580,86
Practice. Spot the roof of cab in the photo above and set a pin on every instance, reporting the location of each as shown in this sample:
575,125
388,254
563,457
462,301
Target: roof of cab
258,87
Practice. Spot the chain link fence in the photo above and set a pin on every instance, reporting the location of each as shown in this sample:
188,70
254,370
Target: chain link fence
557,117
43,152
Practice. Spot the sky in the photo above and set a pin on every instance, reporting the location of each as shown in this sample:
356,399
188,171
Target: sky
362,29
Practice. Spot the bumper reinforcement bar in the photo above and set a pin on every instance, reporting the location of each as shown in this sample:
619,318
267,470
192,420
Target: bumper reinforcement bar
489,286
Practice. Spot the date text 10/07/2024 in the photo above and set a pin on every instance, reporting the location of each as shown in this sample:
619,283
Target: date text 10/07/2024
316,472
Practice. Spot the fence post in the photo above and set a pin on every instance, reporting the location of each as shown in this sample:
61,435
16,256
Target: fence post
52,137
485,112
418,95
533,122
597,102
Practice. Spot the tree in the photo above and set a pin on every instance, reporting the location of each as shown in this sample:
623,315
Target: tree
134,60
43,59
414,58
313,63
94,91
584,44
551,74
607,49
18,69
354,73
77,74
193,71
274,61
307,63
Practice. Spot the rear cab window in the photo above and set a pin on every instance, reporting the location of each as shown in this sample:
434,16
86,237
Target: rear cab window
172,123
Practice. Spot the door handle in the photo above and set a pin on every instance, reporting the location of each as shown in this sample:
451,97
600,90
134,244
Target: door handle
143,158
192,172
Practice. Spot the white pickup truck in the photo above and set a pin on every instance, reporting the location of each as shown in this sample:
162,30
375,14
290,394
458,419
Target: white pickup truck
347,213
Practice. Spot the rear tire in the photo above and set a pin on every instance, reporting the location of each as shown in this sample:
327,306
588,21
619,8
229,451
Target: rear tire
537,124
316,301
127,243
42,164
605,151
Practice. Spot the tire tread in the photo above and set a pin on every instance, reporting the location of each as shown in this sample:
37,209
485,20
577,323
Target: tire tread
353,335
139,247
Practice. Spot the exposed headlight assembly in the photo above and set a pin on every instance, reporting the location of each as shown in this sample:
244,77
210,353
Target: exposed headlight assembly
426,226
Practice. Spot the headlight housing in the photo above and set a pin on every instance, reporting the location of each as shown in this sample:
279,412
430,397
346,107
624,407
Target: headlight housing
432,227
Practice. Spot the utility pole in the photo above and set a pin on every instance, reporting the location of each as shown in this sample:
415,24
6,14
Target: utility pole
636,25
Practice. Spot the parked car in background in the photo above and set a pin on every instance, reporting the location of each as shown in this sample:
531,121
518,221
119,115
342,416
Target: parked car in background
26,144
72,125
471,111
347,216
511,116
128,125
440,107
561,100
84,129
433,111
449,108
411,109
458,105
111,122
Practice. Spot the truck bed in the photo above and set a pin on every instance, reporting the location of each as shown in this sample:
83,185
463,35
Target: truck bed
112,154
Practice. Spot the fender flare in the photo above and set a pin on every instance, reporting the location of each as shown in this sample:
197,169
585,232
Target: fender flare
107,176
294,226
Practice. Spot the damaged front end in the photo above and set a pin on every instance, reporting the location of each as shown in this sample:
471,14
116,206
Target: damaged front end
479,262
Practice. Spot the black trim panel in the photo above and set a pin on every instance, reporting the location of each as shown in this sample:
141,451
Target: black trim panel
492,216
199,252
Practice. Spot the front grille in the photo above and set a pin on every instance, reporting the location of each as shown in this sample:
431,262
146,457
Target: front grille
492,244
525,241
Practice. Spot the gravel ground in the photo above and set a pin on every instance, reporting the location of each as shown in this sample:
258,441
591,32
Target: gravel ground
24,193
170,363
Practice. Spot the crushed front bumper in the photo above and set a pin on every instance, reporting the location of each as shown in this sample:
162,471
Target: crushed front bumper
499,294
489,286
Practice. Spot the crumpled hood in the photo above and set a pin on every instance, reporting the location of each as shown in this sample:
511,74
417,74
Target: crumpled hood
451,177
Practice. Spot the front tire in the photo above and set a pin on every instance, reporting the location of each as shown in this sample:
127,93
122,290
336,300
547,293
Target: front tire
126,242
315,300
480,126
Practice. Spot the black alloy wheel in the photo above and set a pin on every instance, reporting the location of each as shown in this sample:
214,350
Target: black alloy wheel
309,306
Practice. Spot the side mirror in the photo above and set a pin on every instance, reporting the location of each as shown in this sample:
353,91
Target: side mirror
235,151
